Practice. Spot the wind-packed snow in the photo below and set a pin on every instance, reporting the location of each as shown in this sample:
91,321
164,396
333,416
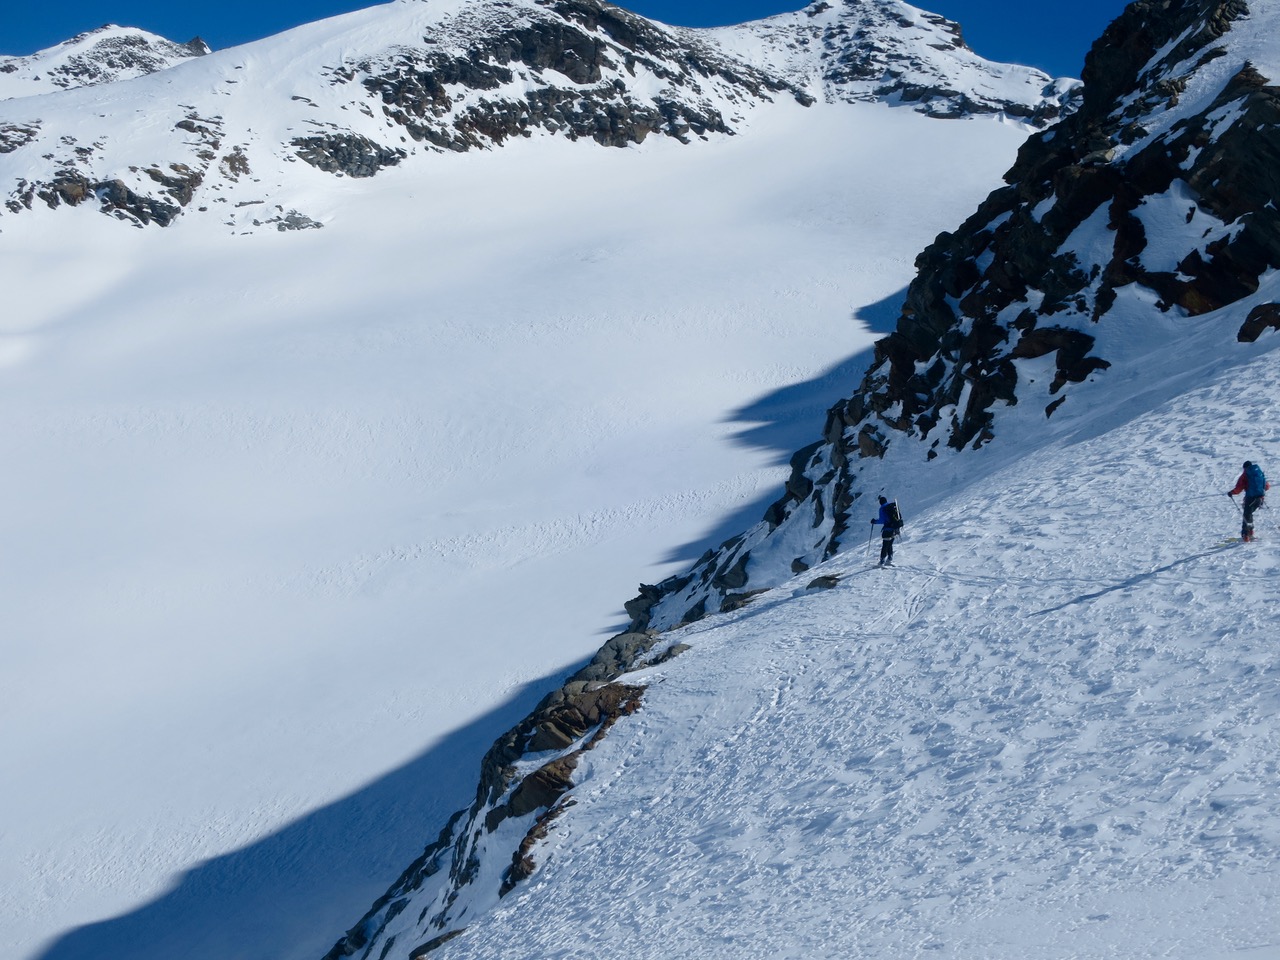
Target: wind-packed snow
1050,730
295,524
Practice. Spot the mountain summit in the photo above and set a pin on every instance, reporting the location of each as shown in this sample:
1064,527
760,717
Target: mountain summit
257,125
105,55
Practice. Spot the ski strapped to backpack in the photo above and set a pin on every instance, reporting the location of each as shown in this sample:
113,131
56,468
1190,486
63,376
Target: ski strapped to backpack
895,515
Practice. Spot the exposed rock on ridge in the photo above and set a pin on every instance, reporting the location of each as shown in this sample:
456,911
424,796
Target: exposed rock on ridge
413,80
526,783
573,69
868,51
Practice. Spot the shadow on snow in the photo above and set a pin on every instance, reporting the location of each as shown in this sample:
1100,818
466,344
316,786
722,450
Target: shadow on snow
1133,581
291,895
791,418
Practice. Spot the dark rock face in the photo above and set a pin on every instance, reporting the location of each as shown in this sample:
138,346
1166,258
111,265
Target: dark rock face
1014,285
567,724
15,135
72,188
961,327
348,154
566,56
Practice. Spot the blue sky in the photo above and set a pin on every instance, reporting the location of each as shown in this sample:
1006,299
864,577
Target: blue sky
1053,37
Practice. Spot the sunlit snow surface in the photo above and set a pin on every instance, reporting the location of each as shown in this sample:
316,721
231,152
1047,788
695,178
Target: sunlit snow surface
281,512
1050,730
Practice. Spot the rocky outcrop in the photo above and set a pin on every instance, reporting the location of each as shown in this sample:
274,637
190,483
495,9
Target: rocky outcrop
526,782
872,51
573,66
72,188
1145,192
346,153
15,135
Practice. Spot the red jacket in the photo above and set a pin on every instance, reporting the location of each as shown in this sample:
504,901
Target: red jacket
1244,482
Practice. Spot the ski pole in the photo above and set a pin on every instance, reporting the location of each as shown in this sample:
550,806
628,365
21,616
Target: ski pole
870,536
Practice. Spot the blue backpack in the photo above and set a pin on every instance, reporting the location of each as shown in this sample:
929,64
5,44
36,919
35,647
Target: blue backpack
1255,483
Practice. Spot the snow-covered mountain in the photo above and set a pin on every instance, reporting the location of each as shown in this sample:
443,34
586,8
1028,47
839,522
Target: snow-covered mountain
297,523
1050,731
105,55
247,133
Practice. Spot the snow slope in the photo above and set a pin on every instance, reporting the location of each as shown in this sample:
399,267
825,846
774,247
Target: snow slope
1050,730
296,524
1084,741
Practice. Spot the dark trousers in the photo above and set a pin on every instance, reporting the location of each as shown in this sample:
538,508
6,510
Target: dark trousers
886,544
1250,504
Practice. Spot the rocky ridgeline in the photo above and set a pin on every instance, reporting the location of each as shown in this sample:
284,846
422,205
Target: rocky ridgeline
1015,283
477,76
861,51
525,784
104,55
569,71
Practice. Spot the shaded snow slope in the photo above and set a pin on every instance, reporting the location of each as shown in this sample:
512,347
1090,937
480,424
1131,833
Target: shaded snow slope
248,135
104,55
1050,731
282,512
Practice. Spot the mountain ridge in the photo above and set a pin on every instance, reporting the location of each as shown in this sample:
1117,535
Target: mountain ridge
987,320
108,54
395,84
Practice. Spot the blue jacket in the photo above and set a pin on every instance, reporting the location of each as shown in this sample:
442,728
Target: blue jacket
886,516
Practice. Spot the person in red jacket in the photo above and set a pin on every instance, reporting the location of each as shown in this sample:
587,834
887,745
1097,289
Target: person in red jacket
1253,484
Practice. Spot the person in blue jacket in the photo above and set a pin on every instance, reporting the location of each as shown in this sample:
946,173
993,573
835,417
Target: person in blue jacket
890,520
1253,484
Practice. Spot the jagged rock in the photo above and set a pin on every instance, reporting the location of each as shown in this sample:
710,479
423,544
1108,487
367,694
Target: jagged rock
346,153
434,944
15,135
73,188
522,863
736,601
293,220
1265,316
733,577
616,657
824,583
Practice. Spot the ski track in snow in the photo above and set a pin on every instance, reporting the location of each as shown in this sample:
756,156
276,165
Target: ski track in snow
1050,731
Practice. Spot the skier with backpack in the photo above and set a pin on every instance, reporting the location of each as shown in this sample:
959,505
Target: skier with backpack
890,519
1253,484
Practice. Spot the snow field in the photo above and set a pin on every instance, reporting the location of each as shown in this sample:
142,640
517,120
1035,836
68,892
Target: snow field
1051,730
296,524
